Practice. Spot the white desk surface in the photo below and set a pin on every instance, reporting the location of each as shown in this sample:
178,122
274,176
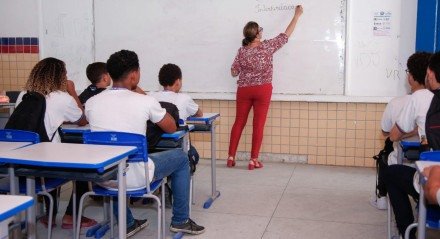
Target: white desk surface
11,205
7,146
64,155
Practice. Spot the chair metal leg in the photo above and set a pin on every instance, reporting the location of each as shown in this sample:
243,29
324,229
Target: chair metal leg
50,217
409,228
163,209
112,218
80,207
389,217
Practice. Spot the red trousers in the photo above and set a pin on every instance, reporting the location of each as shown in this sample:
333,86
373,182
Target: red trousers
258,98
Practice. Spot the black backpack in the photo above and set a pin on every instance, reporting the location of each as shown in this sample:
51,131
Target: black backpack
29,115
381,165
154,132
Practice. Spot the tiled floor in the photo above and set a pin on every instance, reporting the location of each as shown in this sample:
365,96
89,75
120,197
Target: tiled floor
279,201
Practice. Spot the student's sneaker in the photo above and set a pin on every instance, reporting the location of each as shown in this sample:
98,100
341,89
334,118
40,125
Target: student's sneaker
136,227
379,203
189,227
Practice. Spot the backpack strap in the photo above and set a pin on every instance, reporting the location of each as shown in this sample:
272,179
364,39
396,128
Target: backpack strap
58,130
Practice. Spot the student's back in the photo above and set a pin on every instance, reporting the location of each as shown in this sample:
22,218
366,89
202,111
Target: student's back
122,110
60,107
186,105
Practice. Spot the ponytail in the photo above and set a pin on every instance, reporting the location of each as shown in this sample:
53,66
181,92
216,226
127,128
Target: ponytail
246,41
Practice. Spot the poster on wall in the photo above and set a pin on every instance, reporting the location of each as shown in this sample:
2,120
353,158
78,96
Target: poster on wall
382,23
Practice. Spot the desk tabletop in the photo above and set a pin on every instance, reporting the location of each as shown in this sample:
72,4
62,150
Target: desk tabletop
65,155
73,128
10,205
207,117
7,146
174,136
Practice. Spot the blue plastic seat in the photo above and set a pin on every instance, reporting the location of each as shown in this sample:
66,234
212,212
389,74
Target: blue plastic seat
42,186
125,139
432,213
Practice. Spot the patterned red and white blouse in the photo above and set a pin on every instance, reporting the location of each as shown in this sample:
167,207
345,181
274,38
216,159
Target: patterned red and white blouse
254,64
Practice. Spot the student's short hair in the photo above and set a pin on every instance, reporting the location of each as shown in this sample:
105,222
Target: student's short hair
434,65
95,71
168,74
417,64
121,63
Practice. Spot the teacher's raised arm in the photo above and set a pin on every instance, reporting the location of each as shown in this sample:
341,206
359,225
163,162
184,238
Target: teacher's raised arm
292,24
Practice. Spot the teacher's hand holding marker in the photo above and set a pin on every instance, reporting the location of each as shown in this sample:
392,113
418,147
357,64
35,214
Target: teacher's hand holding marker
253,66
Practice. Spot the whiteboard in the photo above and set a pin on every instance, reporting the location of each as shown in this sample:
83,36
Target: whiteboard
203,36
376,60
67,33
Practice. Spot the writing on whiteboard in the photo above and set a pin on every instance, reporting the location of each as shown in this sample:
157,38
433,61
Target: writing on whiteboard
367,59
270,6
392,74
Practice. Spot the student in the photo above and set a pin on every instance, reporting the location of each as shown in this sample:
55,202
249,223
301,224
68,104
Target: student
399,178
121,109
100,79
417,63
170,77
49,78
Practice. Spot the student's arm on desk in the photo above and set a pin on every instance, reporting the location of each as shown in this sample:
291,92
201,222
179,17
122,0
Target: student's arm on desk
199,113
167,124
432,186
396,134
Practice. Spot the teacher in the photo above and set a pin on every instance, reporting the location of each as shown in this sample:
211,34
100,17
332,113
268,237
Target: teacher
253,66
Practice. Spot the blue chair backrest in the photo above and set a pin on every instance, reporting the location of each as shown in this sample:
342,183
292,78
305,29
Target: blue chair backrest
430,156
13,135
121,139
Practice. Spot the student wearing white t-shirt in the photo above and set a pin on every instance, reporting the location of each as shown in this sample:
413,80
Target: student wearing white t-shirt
121,109
399,178
49,78
170,77
389,118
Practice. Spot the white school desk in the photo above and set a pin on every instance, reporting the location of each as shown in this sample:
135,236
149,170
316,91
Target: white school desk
11,205
421,227
7,146
72,156
209,120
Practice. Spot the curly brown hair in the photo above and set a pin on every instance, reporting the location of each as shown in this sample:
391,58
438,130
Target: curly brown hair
47,76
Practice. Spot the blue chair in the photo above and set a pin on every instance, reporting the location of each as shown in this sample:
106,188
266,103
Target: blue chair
12,135
125,139
432,214
43,186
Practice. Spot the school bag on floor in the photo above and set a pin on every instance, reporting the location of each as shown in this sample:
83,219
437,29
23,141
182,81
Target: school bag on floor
29,115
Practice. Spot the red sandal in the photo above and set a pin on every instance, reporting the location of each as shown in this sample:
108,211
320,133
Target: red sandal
230,163
253,164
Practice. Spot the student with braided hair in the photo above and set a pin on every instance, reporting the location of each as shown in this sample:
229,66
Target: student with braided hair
49,78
